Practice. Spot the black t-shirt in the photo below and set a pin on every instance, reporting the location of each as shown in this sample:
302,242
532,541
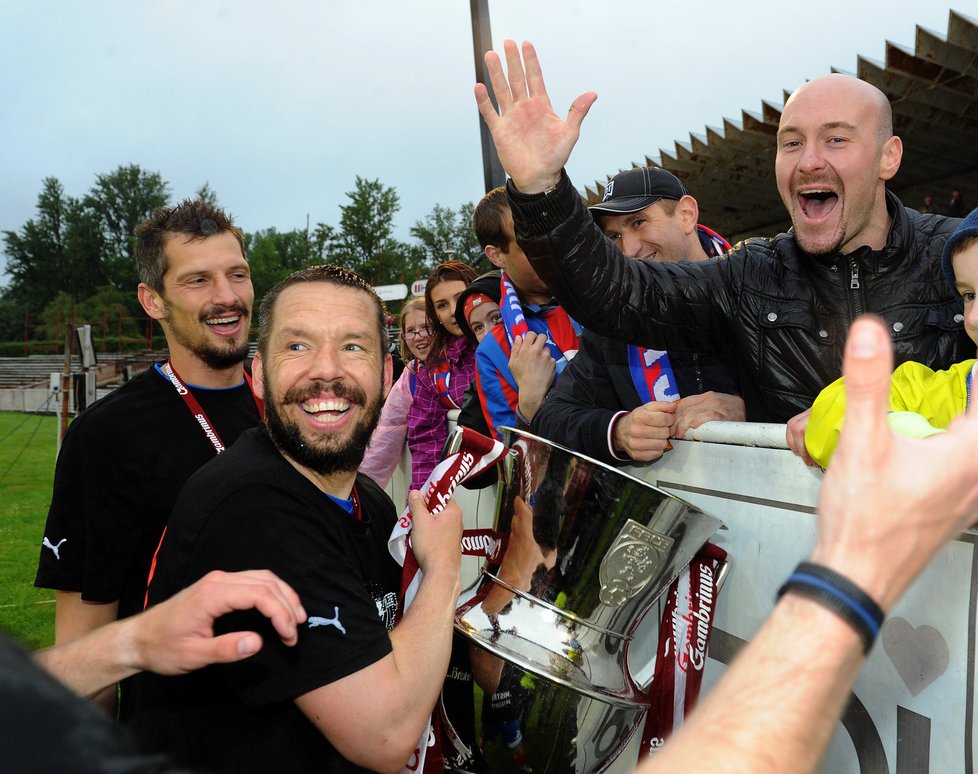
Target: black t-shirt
250,509
46,729
122,464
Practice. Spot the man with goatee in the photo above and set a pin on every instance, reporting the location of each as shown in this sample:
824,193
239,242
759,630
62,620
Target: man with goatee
125,458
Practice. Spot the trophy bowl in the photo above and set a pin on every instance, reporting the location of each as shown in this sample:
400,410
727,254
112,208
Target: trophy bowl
582,551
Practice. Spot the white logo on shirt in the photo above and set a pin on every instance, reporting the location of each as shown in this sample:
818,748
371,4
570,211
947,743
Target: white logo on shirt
47,544
387,609
316,620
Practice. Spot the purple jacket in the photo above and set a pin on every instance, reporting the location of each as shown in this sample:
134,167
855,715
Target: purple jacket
428,416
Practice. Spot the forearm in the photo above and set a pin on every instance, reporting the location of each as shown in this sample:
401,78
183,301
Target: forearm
576,427
777,704
681,307
390,702
74,619
530,401
579,410
567,250
95,661
422,643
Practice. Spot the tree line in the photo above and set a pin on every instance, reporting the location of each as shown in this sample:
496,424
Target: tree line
75,258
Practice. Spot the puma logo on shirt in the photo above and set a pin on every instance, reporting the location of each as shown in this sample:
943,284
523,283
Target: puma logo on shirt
47,544
316,620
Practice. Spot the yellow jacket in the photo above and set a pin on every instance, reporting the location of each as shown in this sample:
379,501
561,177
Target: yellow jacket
922,402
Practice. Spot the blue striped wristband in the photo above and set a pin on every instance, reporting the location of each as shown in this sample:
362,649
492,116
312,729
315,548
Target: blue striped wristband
838,594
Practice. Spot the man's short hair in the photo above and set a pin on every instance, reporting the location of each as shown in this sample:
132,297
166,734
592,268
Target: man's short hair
488,218
194,219
331,275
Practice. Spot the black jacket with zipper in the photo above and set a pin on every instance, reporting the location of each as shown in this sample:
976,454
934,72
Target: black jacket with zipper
779,315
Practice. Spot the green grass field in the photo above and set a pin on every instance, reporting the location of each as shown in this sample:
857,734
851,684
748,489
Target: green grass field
27,444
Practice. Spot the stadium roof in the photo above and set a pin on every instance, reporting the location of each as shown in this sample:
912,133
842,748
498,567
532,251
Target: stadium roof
934,93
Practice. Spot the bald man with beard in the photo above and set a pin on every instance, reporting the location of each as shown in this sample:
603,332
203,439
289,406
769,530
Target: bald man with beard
779,307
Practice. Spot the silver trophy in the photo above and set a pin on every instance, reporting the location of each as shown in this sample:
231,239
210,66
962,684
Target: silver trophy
582,551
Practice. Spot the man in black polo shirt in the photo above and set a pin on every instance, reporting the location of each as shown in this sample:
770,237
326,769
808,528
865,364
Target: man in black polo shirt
125,458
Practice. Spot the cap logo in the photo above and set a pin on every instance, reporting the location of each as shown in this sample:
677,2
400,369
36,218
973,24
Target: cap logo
609,191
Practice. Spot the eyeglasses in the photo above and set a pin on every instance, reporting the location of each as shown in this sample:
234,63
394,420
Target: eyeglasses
416,333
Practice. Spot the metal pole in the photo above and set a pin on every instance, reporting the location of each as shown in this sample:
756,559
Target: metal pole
492,170
65,385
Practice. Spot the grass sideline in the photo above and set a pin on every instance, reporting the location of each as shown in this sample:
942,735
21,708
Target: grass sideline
27,455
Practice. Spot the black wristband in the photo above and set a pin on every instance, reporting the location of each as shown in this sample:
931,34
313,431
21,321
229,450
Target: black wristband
838,594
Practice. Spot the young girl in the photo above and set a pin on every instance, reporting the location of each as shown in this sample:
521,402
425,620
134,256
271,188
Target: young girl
387,441
447,371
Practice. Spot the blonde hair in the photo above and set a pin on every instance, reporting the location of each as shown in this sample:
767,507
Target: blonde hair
411,305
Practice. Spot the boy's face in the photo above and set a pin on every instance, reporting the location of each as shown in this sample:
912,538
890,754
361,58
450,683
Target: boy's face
965,263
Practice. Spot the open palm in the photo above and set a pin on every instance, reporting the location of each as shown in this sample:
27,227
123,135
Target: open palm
532,141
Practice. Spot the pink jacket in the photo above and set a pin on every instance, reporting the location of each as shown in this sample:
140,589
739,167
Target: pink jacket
387,442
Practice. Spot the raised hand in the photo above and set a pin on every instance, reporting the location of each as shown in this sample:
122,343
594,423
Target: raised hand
532,141
889,502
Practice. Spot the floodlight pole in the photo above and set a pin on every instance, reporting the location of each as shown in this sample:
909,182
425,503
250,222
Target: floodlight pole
492,170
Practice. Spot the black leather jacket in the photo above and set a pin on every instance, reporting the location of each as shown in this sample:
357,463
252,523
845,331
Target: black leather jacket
778,314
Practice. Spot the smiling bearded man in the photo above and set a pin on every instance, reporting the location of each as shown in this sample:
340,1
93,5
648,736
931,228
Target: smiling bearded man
321,453
288,498
317,452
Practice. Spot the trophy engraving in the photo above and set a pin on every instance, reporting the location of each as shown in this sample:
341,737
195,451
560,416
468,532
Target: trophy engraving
633,560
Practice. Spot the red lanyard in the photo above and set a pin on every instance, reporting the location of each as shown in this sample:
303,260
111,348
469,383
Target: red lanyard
208,429
197,411
357,512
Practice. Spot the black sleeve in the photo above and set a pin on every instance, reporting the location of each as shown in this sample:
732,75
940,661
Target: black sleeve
47,728
90,533
579,409
671,306
256,528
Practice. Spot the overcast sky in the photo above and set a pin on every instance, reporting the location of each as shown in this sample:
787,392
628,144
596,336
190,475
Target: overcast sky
279,105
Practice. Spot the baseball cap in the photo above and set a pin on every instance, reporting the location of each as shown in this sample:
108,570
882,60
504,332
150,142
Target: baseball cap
635,189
